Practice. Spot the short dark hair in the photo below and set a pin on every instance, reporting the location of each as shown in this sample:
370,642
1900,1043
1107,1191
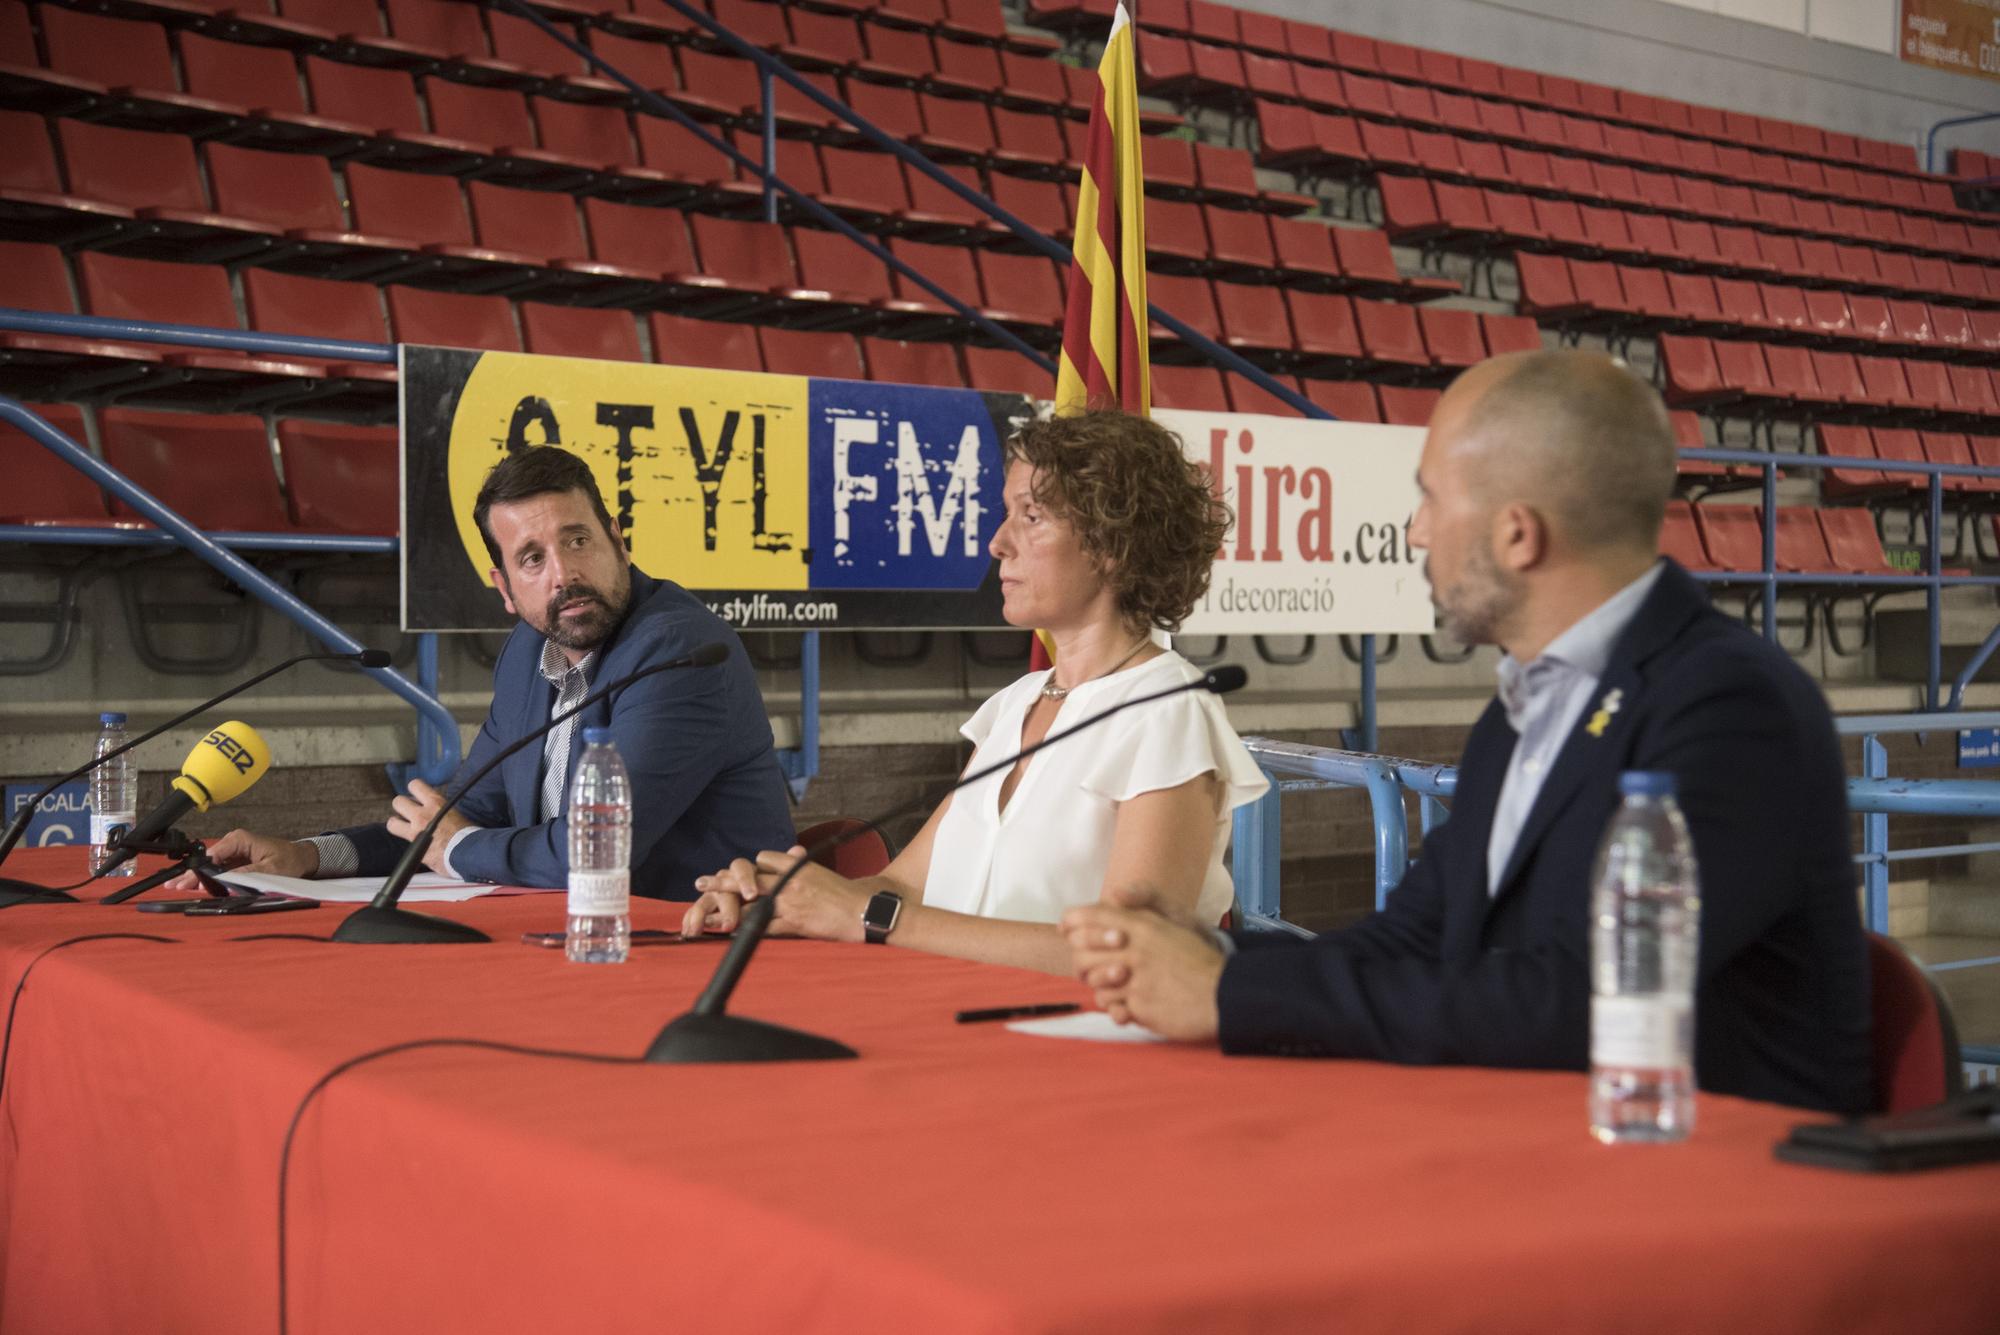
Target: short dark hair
1137,503
535,471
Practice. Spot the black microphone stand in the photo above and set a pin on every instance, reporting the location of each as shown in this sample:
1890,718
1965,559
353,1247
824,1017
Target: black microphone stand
381,922
708,1033
190,855
18,892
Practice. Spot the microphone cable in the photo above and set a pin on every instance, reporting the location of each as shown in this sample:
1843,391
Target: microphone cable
376,1054
14,1002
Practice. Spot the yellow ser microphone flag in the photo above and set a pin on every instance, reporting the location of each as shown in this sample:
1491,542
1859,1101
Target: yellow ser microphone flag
221,766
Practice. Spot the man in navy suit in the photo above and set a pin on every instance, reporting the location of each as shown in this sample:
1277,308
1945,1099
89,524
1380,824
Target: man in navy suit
705,783
1544,479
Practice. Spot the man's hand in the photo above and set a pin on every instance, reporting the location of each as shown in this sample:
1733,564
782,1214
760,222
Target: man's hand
415,810
1145,967
244,851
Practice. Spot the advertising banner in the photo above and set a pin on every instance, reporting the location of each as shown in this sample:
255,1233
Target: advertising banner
1323,509
784,502
795,503
1958,35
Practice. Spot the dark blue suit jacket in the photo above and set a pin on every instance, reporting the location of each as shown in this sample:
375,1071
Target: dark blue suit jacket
1445,973
706,786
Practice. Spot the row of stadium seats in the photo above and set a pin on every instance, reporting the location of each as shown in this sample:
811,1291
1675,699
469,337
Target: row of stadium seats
1902,445
1394,111
1310,44
154,193
1483,222
1314,145
1809,540
1625,299
338,478
1770,380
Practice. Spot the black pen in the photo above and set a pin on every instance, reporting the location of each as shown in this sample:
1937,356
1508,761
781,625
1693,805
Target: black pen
1018,1012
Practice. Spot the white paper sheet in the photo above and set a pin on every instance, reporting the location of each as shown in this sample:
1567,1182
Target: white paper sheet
1095,1026
425,888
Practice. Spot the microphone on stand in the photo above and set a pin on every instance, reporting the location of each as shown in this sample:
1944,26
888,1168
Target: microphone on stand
15,891
380,922
708,1033
221,766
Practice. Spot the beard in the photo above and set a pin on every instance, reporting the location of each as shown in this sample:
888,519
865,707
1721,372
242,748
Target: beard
1472,609
590,624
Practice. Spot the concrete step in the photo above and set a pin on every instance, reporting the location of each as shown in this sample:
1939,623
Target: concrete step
1967,906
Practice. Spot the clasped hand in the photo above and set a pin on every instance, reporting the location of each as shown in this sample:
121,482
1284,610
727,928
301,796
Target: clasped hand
1144,966
817,902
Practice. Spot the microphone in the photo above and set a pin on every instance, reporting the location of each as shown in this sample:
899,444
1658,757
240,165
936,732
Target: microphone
221,766
380,922
708,1033
14,892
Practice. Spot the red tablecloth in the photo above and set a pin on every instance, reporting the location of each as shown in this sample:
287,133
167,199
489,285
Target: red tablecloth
955,1178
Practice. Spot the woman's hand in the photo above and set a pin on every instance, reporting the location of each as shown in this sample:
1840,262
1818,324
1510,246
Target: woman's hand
816,903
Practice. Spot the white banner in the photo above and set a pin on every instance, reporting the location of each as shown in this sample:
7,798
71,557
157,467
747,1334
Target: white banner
1321,543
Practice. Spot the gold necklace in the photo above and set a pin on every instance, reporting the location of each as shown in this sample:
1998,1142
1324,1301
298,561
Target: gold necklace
1051,691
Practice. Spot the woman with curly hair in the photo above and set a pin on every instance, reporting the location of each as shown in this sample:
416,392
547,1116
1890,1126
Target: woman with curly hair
1109,534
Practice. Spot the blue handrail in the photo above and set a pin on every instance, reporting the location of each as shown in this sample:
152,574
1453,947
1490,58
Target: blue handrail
1930,137
444,749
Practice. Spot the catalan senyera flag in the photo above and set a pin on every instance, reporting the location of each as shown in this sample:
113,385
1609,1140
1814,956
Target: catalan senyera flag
1104,360
1104,355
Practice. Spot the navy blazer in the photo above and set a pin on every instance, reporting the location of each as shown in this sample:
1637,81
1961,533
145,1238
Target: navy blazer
1447,973
706,786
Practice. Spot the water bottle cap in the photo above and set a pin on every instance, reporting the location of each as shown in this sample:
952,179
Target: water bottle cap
110,718
597,736
1646,783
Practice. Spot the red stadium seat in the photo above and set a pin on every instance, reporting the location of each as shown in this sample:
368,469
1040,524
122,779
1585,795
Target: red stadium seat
1680,539
339,478
1453,338
452,319
1510,333
1247,397
915,363
799,352
1348,400
679,341
580,331
1390,333
1853,545
1196,388
1253,318
156,177
1403,406
1327,336
1732,535
429,211
215,472
41,488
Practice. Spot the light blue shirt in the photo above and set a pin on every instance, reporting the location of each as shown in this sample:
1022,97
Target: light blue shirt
1544,699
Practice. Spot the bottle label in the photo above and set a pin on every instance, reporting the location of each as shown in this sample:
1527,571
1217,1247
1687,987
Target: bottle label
106,828
1650,1032
600,894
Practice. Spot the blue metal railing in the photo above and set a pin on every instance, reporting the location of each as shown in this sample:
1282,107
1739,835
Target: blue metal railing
437,731
1930,137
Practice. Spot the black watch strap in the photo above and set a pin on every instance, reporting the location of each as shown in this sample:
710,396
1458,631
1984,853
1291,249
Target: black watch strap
879,919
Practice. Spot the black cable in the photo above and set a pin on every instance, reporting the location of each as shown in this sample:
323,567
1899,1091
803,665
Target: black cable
7,1039
58,890
374,1054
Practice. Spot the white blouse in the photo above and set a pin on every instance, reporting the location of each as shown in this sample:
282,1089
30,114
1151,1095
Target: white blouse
1048,850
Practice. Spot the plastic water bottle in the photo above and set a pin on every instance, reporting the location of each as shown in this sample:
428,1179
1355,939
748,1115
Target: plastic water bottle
1645,929
114,796
600,854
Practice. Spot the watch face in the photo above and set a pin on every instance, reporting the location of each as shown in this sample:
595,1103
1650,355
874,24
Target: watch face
882,912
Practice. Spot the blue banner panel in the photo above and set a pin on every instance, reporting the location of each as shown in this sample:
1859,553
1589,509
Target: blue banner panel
62,818
905,486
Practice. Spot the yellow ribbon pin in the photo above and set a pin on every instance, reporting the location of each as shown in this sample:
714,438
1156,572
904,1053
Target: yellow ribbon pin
1605,709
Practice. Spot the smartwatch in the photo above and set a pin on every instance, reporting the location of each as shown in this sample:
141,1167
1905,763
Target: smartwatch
880,917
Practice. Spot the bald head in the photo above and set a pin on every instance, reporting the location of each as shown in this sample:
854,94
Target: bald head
1572,434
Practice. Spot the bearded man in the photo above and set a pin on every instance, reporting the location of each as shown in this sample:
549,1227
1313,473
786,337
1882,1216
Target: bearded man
696,743
1544,479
